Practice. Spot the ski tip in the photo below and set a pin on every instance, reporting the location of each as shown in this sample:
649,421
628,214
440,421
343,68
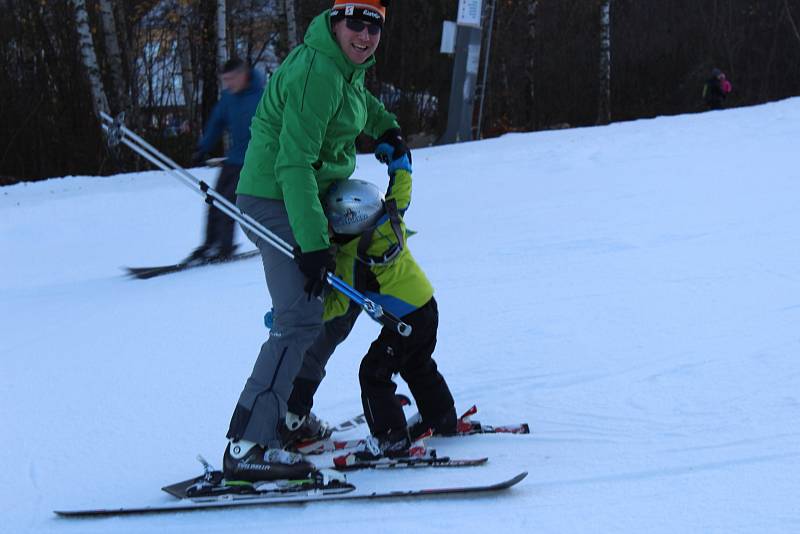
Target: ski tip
513,481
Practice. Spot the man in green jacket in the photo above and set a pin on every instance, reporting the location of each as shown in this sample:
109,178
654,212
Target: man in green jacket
302,141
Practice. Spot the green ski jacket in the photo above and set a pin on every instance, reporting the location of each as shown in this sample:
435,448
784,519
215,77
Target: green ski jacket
304,130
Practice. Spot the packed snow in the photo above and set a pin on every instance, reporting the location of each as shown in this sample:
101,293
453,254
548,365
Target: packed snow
631,291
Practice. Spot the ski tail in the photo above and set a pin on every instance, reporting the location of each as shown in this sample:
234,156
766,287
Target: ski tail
466,426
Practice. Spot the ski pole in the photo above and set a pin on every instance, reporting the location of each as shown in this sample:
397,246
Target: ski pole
119,133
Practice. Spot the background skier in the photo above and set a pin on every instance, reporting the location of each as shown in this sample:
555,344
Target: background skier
242,89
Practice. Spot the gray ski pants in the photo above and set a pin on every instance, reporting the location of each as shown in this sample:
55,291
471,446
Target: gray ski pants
316,358
297,323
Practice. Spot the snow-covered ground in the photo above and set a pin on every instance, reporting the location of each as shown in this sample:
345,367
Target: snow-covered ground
631,291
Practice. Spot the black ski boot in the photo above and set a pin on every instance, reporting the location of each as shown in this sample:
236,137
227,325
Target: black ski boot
445,425
393,444
252,463
297,428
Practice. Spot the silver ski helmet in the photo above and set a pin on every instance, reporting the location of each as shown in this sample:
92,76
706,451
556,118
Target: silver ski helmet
353,206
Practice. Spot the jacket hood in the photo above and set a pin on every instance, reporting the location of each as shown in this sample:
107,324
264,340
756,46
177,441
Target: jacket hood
320,37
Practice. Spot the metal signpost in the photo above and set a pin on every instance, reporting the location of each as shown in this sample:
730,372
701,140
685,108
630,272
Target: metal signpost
465,70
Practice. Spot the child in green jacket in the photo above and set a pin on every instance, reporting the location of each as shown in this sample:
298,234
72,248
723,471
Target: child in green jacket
372,256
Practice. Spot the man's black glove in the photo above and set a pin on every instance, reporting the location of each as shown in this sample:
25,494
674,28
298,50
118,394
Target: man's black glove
198,157
391,146
315,266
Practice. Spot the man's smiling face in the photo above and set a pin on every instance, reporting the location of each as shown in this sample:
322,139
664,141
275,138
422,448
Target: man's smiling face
357,46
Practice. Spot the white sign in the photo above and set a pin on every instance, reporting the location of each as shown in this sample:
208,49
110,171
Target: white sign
473,58
448,37
469,13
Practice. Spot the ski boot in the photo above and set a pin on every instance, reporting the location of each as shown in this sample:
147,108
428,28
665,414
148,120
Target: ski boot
445,425
248,461
213,484
302,429
388,448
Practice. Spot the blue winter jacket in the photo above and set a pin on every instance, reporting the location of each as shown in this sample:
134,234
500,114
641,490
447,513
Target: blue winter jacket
233,112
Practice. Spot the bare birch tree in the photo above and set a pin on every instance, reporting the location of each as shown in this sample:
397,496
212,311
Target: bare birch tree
89,57
114,54
222,46
291,24
604,96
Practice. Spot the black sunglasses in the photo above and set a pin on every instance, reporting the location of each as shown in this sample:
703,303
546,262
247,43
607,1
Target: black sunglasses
357,25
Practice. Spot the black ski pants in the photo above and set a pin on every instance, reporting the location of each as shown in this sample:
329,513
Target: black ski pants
219,227
411,357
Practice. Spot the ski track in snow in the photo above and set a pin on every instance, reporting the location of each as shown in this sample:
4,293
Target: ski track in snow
631,291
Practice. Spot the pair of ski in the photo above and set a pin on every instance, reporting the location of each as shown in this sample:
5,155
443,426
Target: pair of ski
210,490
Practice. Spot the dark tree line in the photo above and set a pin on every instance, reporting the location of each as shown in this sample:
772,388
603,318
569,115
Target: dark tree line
544,66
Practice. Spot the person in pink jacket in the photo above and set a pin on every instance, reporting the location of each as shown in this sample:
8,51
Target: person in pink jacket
716,89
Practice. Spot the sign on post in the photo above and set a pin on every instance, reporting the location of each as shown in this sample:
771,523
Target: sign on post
469,13
448,37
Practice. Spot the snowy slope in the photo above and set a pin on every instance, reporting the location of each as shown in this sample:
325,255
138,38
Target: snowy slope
632,291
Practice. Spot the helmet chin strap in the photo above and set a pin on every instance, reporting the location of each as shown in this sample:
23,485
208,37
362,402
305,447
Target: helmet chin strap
390,206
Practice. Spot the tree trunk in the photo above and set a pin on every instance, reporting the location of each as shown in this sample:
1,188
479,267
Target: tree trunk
791,20
222,47
530,66
604,96
291,24
206,73
114,53
185,57
128,51
89,57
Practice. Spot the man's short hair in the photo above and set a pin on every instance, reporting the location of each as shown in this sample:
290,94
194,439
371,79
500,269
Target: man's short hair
232,65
